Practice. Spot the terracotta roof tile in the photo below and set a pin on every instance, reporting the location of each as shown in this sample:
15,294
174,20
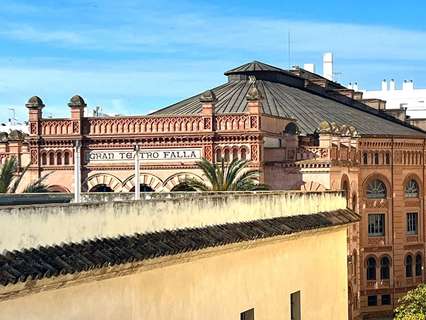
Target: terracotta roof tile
45,262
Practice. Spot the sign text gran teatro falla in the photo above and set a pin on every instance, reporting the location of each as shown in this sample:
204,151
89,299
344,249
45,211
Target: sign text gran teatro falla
145,155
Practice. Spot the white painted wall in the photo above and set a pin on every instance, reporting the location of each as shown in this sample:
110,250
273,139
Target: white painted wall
396,96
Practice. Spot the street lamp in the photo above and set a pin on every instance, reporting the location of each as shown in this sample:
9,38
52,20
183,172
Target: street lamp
136,148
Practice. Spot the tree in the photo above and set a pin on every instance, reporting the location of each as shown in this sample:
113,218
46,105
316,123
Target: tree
233,177
9,182
413,305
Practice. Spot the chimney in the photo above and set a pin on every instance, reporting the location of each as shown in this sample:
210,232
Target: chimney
309,67
392,85
384,85
350,86
327,68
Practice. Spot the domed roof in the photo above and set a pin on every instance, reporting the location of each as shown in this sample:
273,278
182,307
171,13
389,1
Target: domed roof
77,101
35,102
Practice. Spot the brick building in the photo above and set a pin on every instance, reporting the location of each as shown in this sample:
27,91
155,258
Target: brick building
299,129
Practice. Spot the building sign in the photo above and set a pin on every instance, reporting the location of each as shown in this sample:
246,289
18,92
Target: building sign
145,155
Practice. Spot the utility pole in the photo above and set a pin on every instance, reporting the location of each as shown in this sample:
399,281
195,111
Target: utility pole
77,172
137,173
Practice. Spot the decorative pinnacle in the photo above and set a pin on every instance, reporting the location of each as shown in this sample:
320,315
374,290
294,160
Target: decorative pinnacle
208,96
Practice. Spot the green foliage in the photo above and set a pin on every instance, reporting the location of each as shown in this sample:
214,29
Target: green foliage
413,305
7,174
9,181
232,177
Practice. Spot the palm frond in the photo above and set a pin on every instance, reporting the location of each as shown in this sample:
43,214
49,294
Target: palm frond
7,174
210,171
18,180
38,186
197,184
222,177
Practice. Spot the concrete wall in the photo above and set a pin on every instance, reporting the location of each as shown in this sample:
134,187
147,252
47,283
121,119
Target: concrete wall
220,286
30,226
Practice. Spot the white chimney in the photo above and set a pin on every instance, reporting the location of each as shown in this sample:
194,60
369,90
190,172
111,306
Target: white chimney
408,85
384,85
392,84
349,86
355,86
309,67
327,68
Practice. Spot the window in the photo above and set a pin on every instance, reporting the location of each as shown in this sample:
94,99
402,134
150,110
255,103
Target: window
44,159
295,310
355,261
243,154
372,300
218,155
412,189
376,189
66,158
376,225
409,266
376,158
227,155
58,158
384,268
247,315
387,158
386,299
51,159
371,268
234,154
412,222
365,158
419,265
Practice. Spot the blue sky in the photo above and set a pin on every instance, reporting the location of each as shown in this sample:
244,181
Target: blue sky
132,57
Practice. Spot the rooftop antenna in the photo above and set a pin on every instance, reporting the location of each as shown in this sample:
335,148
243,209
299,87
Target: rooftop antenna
13,119
336,76
289,49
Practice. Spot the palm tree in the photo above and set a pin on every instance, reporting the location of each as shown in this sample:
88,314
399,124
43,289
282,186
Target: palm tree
221,177
9,183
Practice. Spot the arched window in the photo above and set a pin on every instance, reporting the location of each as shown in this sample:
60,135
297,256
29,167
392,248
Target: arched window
227,156
291,128
234,154
51,159
218,155
376,158
44,159
376,189
387,158
371,268
59,158
355,263
419,265
408,266
66,158
365,158
384,268
243,154
412,189
143,188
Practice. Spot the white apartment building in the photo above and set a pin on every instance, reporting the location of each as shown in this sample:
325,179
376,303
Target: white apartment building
406,97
